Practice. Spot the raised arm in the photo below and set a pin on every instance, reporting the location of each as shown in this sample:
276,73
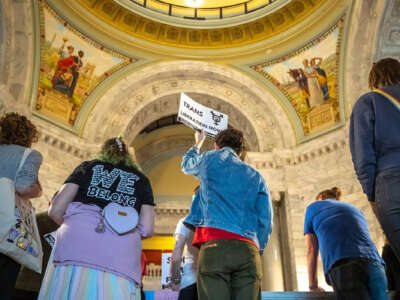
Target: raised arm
192,158
61,201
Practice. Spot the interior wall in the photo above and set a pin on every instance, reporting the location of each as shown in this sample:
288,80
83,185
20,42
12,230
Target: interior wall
326,162
298,170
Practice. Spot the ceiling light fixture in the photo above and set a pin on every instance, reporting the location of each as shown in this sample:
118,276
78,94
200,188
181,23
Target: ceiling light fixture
194,3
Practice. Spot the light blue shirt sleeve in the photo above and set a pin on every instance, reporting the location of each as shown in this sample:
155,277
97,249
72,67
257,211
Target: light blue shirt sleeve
265,214
191,162
28,174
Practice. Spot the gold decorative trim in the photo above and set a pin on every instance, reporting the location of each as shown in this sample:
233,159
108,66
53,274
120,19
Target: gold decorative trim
252,32
203,24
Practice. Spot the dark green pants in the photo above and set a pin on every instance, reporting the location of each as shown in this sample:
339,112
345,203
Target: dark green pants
229,270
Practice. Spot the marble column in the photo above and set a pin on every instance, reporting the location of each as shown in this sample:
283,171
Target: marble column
272,258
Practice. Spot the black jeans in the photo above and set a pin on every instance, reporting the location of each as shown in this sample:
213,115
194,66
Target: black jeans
188,293
387,197
392,268
9,270
358,278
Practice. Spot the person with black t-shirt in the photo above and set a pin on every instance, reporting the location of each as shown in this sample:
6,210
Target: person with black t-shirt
98,245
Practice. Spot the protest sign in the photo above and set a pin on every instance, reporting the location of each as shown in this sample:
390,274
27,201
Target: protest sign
200,117
165,268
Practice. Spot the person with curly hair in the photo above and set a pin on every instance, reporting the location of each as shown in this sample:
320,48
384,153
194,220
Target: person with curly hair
16,134
375,146
90,259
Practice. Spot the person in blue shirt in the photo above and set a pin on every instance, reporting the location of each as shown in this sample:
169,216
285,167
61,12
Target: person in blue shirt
232,216
351,262
375,146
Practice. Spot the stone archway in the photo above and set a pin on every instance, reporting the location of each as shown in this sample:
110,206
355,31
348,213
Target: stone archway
116,111
169,104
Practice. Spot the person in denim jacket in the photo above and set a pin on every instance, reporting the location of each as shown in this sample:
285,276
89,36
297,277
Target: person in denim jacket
232,216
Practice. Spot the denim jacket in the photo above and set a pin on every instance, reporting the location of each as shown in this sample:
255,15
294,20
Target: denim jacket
233,196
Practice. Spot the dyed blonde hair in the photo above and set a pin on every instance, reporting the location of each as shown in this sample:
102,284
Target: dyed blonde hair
115,151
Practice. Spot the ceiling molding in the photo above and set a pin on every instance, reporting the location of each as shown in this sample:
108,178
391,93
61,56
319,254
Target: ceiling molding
133,28
202,24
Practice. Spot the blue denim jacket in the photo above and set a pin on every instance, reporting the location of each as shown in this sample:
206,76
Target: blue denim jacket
233,196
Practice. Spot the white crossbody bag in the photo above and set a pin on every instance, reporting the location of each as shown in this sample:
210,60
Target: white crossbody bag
19,234
120,219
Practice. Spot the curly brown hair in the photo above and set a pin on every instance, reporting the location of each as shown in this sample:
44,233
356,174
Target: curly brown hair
384,72
231,138
18,130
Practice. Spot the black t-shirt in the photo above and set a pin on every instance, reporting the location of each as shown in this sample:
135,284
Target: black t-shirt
101,183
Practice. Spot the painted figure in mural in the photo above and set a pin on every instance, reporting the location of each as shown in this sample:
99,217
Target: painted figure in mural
63,81
316,95
63,77
321,76
75,69
301,79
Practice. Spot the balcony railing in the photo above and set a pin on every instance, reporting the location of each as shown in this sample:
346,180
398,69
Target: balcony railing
203,13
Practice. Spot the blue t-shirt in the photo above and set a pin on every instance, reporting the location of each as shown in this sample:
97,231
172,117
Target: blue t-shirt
342,232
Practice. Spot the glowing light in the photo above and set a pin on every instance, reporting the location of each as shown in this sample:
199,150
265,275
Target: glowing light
194,3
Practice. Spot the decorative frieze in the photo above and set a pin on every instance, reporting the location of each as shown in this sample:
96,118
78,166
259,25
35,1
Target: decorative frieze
64,146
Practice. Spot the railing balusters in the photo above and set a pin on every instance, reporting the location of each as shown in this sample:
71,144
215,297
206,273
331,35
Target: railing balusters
195,15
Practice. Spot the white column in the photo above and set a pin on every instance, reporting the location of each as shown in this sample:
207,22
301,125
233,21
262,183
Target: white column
271,260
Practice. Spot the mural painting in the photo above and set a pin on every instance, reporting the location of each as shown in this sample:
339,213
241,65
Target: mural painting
71,67
309,79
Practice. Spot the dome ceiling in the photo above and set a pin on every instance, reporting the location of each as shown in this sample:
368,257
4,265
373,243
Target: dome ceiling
128,19
87,48
200,13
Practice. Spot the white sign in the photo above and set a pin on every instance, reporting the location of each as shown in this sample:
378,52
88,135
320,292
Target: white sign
165,268
200,117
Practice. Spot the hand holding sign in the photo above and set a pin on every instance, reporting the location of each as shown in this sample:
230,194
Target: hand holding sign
200,117
199,137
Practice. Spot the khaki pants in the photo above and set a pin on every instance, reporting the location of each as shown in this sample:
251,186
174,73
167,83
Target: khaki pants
229,270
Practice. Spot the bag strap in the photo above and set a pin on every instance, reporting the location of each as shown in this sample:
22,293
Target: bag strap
393,100
23,159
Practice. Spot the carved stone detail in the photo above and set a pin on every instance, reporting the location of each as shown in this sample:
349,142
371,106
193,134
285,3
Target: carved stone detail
148,96
389,33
